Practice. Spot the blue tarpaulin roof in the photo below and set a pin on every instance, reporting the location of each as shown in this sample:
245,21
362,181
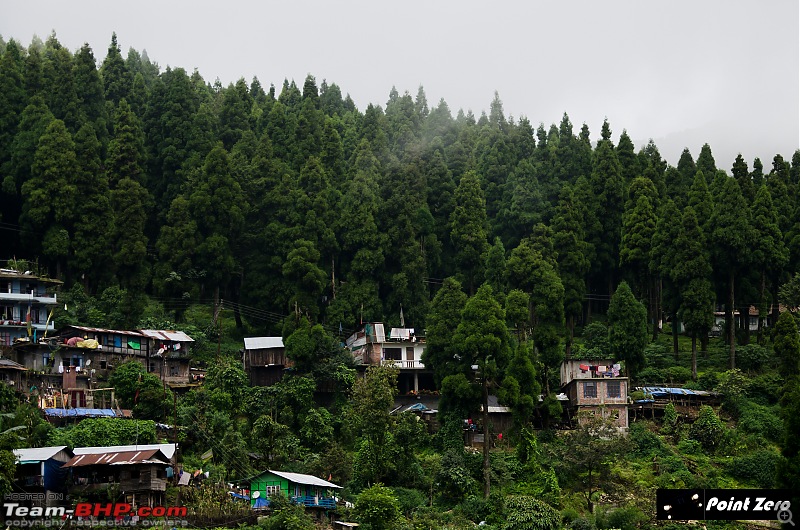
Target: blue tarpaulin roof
261,502
661,391
82,413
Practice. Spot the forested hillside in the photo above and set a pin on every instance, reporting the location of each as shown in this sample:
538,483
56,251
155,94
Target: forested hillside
512,243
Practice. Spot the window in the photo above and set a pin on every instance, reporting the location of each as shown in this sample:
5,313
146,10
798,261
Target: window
590,389
272,490
103,364
613,389
393,354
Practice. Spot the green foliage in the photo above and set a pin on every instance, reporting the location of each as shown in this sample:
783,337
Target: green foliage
707,429
97,432
644,442
8,464
626,518
757,469
595,341
528,513
141,391
670,420
377,507
286,516
627,329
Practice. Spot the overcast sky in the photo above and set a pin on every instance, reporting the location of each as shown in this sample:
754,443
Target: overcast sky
683,72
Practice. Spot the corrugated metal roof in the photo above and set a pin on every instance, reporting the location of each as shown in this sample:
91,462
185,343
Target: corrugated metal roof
38,454
102,330
166,334
8,364
166,449
119,458
299,478
262,343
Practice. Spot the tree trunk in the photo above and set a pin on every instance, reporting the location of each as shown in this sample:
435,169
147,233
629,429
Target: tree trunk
694,357
571,337
761,304
731,322
486,440
675,331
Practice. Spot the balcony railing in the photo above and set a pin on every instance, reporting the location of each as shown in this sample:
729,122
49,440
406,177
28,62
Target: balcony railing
315,502
412,364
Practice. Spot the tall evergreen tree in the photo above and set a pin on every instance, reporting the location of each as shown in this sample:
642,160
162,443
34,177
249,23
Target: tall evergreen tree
768,254
573,262
50,196
468,229
692,276
94,223
627,329
608,188
731,239
117,79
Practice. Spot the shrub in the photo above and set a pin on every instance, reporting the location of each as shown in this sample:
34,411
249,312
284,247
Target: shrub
645,442
678,374
761,420
474,508
752,357
377,507
628,518
409,499
759,468
708,429
651,376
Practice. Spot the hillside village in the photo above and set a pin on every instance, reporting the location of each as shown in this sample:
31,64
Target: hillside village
278,310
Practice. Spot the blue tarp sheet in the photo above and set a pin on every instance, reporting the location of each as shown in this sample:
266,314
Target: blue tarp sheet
82,413
660,391
261,502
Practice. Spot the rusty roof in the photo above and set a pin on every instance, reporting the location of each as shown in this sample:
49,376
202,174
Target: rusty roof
118,458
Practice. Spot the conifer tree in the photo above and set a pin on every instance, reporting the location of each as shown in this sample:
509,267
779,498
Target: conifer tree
731,239
692,276
468,229
769,254
50,197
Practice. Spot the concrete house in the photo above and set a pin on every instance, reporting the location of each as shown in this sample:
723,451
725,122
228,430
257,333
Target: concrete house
403,347
596,387
26,300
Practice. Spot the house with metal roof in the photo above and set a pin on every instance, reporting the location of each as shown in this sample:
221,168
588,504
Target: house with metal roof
137,476
11,373
308,490
170,352
264,360
39,473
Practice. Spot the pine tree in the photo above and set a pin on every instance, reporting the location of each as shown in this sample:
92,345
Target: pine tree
692,277
768,253
117,79
731,239
50,197
468,229
627,329
573,263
